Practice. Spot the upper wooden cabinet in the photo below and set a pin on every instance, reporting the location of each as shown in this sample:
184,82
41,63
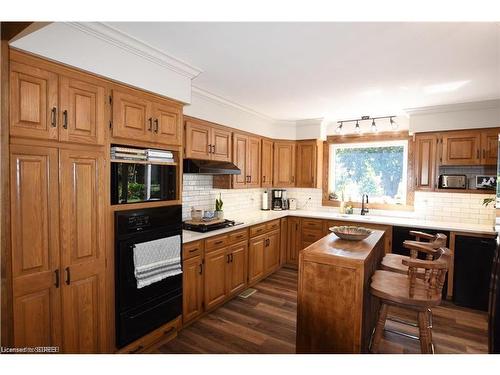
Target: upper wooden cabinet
240,159
284,164
206,141
461,148
489,146
425,163
138,117
267,163
309,157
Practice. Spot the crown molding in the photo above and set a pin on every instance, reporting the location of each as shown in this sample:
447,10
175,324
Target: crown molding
133,45
467,106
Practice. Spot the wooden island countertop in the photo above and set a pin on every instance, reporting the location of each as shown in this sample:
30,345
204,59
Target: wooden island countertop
335,311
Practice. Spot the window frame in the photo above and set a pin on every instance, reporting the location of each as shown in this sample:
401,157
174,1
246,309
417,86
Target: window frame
367,138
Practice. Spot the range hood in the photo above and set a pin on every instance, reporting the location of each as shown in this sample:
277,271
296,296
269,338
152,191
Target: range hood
209,167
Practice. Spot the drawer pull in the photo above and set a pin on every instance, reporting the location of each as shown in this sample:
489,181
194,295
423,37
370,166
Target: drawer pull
193,250
138,349
218,242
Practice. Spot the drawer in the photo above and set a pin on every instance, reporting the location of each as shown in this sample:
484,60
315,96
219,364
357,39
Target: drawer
311,235
257,230
192,249
163,334
316,224
216,242
238,235
272,225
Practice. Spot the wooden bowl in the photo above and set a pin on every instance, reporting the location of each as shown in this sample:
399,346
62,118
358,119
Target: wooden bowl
351,233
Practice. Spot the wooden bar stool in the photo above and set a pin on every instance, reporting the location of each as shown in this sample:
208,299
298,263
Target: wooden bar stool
394,262
418,291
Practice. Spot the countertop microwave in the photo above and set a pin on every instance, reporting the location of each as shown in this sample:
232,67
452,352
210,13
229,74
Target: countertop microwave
453,181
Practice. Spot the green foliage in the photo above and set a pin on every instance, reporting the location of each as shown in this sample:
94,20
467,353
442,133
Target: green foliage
376,171
218,203
136,191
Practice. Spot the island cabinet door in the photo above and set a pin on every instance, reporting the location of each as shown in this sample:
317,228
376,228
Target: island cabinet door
256,258
34,206
272,252
237,270
215,277
192,288
82,251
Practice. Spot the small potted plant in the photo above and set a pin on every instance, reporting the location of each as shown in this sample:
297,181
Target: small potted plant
218,208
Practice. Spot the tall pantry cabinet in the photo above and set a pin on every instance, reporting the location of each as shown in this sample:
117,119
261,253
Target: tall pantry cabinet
57,203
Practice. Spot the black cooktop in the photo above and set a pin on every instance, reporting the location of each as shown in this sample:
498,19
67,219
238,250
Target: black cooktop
206,227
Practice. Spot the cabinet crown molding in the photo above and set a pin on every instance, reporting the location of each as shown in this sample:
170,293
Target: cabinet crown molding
133,45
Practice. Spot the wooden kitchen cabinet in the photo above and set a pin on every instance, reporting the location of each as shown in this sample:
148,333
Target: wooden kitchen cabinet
489,146
309,157
461,148
215,277
35,246
240,159
82,250
141,118
267,163
253,166
272,253
425,163
294,241
207,141
256,250
192,288
237,267
284,164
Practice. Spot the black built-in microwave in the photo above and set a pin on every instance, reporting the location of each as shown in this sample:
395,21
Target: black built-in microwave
137,182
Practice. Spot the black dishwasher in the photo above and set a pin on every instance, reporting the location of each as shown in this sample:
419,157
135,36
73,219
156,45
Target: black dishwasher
472,271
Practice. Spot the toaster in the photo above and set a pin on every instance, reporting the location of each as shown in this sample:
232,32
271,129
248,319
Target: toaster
452,181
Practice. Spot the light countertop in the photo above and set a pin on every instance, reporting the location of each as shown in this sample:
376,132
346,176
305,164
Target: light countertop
263,216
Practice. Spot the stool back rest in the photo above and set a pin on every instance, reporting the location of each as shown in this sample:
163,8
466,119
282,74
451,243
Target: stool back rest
434,274
424,247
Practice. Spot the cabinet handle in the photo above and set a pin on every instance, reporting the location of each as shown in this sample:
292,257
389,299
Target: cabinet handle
263,178
156,125
228,258
293,178
201,268
218,242
209,149
53,117
68,276
57,278
193,250
150,120
138,349
213,149
231,257
65,119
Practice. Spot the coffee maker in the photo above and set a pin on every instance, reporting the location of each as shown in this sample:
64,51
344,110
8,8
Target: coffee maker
279,200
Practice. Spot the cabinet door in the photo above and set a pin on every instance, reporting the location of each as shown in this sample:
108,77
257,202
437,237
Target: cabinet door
221,141
294,241
284,164
215,277
272,252
267,163
253,162
198,141
237,274
240,153
35,246
33,102
82,251
82,112
489,147
132,117
461,148
425,161
306,164
192,288
256,258
167,124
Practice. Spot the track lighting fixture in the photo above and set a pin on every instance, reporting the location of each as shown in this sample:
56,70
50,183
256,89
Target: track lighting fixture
339,129
394,124
357,129
374,126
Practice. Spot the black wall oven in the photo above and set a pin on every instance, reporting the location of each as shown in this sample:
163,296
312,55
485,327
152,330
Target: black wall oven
142,182
141,310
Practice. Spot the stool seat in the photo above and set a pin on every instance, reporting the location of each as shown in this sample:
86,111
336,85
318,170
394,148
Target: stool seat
395,287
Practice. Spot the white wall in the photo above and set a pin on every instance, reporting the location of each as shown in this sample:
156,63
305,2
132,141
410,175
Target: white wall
482,114
107,57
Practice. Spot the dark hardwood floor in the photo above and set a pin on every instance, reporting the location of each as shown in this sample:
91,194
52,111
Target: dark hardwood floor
265,323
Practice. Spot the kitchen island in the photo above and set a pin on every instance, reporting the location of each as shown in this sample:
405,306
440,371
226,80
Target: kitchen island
335,311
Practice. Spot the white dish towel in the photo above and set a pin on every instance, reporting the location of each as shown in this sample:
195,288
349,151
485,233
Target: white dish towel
156,260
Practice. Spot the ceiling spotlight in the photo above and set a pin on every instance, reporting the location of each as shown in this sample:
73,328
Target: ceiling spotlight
394,124
374,126
357,129
339,129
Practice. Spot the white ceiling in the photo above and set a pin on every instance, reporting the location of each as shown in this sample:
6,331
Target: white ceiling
334,70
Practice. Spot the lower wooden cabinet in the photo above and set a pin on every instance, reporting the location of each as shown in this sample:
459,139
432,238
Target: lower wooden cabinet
294,241
215,277
192,293
237,267
272,253
264,256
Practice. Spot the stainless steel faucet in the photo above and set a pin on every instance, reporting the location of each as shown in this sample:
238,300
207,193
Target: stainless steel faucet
364,210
